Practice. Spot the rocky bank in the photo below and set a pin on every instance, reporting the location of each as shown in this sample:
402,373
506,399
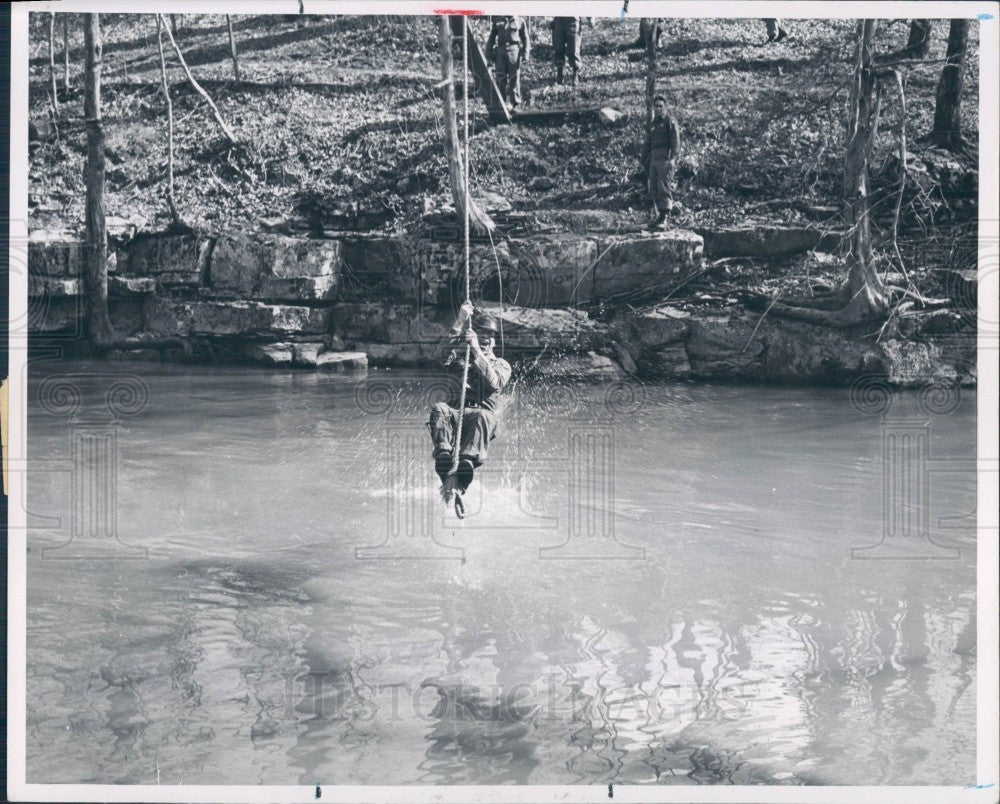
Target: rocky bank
347,302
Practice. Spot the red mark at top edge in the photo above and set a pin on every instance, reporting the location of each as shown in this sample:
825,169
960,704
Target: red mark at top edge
456,12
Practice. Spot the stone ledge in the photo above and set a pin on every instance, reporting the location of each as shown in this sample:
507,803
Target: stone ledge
767,241
646,262
169,318
589,366
388,323
342,361
54,254
273,268
179,259
532,328
741,347
131,285
42,286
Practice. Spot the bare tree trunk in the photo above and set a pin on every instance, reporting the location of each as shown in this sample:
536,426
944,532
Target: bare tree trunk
902,170
173,25
197,87
919,43
863,295
232,48
171,203
651,66
52,63
102,332
649,28
479,221
864,285
947,130
65,22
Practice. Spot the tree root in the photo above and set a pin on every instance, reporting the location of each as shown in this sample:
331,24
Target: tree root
857,310
851,314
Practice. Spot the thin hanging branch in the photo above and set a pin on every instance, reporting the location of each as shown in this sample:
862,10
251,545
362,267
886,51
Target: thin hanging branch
197,87
52,63
232,48
65,22
480,221
170,124
902,171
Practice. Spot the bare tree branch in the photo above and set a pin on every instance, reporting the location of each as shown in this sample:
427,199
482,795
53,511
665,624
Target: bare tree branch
52,64
197,87
170,124
65,27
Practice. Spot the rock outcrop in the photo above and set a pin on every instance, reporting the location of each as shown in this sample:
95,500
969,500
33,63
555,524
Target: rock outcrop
667,343
767,242
338,304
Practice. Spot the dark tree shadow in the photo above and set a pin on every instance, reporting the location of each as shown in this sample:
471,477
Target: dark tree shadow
265,22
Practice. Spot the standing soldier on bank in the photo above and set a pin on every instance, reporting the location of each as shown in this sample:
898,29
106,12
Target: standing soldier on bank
566,35
507,48
775,33
659,156
647,30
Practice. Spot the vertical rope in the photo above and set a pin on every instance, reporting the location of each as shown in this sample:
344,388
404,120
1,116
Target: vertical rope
496,259
465,125
465,234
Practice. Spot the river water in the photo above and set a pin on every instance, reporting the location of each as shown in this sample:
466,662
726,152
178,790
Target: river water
662,584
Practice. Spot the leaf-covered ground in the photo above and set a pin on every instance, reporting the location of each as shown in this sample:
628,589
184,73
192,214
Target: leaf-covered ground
342,110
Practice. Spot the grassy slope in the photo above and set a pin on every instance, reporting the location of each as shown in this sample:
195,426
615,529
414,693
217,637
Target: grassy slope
762,125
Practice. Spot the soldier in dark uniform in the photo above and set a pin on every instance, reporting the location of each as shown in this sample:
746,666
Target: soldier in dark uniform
508,48
775,33
566,35
646,30
488,374
659,155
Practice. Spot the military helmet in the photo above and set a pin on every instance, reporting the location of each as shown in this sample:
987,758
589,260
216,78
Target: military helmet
485,323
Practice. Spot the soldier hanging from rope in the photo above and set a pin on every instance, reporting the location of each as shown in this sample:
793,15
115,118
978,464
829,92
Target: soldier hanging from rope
487,374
